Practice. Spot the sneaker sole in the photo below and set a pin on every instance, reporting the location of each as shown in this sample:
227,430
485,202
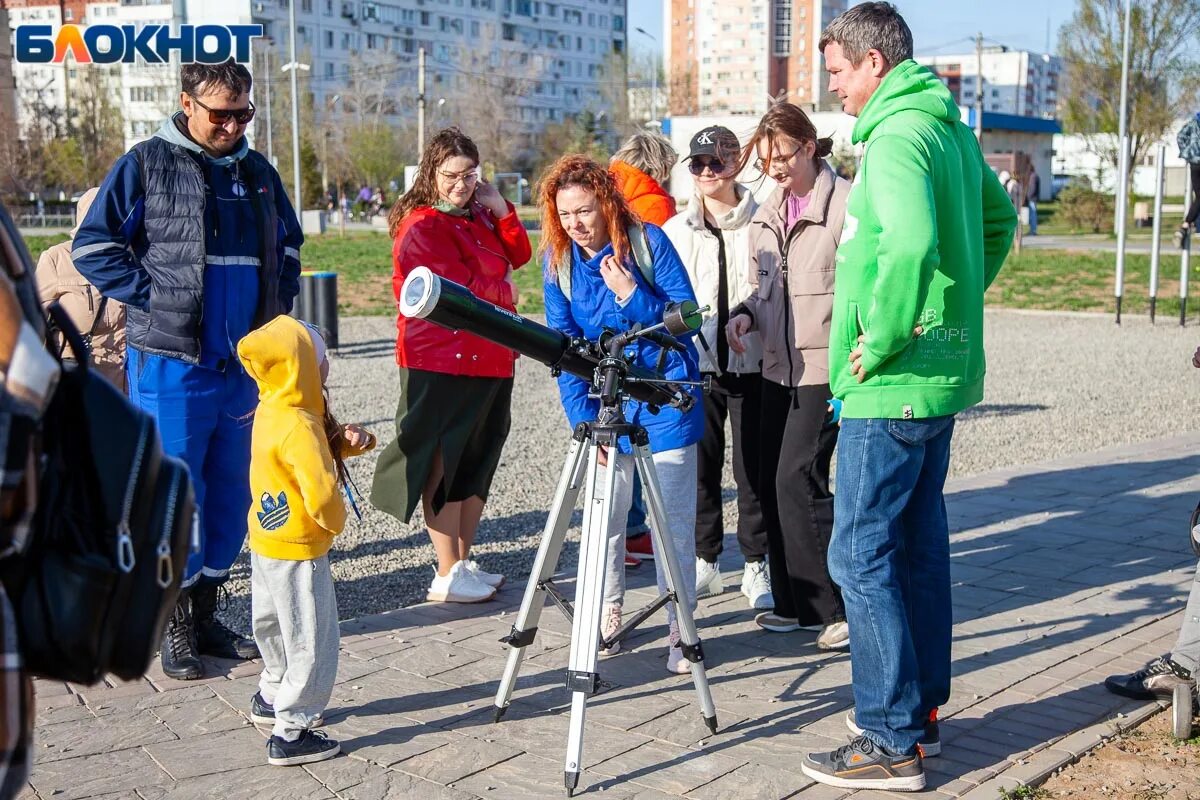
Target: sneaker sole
931,750
449,598
765,601
779,628
711,589
610,653
914,783
307,758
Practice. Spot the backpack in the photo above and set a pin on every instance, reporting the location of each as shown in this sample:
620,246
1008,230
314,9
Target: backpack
638,243
111,534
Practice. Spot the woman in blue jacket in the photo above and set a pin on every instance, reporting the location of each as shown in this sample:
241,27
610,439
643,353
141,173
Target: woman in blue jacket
593,283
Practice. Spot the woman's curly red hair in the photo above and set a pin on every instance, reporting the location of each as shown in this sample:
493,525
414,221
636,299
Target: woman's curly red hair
586,173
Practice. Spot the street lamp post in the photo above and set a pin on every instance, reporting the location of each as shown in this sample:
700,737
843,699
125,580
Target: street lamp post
653,77
292,66
1123,164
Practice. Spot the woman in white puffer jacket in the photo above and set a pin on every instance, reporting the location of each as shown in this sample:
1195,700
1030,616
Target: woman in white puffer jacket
712,237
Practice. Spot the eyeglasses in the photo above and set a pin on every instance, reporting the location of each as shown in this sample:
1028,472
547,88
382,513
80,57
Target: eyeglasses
219,116
452,178
697,165
761,165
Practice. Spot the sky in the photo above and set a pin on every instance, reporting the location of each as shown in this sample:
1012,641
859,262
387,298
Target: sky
938,26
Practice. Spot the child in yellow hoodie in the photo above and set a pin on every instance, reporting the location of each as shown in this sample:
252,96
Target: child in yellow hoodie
296,474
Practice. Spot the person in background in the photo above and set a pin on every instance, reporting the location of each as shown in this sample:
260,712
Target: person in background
793,239
927,229
455,388
193,231
297,475
588,245
100,320
712,237
640,167
1189,150
1033,190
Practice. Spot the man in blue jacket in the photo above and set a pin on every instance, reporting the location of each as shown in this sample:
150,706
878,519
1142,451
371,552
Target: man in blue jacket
193,231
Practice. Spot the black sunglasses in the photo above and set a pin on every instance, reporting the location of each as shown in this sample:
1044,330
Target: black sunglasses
697,165
219,116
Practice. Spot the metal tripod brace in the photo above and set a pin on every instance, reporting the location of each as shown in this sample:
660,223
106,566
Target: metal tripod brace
582,677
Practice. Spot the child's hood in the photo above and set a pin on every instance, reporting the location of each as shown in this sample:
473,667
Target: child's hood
281,359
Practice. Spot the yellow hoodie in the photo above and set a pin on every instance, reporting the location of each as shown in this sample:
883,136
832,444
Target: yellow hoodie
297,504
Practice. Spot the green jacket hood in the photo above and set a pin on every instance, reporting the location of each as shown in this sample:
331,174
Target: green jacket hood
909,86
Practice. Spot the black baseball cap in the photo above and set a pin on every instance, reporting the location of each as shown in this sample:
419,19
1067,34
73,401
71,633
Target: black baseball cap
714,140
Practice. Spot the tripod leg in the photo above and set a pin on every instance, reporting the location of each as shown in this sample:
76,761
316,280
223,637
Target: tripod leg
525,627
582,677
689,638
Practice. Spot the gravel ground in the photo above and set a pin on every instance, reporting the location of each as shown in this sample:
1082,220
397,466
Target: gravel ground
1058,384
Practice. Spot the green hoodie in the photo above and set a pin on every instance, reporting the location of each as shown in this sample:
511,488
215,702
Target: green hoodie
927,227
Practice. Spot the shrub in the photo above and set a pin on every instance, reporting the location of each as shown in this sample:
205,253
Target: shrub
1085,209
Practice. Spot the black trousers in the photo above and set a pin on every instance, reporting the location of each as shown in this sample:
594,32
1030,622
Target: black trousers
796,449
737,398
1194,208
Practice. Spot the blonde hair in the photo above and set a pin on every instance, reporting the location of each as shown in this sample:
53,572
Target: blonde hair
650,153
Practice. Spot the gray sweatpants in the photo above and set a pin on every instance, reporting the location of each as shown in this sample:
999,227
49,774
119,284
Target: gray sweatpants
1187,649
296,628
677,477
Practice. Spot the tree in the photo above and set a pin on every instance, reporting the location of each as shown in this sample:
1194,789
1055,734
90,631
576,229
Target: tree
1164,71
96,125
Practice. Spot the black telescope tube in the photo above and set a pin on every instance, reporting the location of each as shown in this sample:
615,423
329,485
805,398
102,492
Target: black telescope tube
443,302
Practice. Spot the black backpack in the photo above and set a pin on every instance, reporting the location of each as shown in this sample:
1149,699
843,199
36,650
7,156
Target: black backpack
111,534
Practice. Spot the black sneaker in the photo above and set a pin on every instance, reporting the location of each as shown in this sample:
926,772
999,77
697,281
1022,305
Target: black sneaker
310,747
864,765
931,740
213,638
180,660
1155,681
263,713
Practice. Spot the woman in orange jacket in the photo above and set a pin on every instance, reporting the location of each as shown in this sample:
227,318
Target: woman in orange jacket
641,167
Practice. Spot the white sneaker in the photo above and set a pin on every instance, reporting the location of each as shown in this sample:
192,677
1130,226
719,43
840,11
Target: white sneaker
835,636
493,579
756,585
708,579
458,586
610,623
676,663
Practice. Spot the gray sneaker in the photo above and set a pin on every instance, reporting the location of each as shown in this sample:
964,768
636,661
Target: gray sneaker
864,765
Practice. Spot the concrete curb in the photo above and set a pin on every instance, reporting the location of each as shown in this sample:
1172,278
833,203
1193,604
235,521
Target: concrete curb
1041,765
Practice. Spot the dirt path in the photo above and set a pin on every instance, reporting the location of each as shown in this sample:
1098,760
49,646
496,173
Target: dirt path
1145,763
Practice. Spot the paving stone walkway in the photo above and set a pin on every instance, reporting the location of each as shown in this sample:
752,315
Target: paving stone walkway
1064,572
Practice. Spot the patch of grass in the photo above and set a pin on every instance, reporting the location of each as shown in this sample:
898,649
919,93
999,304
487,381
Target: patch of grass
1082,280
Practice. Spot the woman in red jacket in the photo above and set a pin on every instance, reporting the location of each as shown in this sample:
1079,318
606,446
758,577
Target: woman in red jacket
455,388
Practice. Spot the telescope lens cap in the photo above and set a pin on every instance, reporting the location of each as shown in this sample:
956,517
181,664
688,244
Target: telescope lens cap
420,293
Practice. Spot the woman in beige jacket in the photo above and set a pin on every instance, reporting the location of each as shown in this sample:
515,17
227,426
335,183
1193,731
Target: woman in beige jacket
101,321
793,240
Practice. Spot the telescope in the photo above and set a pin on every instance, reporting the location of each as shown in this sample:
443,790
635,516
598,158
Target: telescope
428,296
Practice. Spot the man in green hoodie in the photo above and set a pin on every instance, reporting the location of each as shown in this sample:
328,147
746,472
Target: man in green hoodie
927,227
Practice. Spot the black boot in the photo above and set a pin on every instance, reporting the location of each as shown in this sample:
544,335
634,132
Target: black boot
212,637
180,660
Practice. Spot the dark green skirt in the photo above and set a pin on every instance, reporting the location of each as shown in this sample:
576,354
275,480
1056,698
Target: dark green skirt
467,418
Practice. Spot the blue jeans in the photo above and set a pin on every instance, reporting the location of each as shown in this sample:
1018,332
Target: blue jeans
1032,205
204,417
890,555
